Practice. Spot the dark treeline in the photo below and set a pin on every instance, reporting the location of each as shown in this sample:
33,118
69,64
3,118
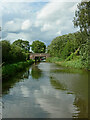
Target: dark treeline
19,50
15,52
75,45
15,57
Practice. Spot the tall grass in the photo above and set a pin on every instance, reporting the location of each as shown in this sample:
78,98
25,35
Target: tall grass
72,63
12,69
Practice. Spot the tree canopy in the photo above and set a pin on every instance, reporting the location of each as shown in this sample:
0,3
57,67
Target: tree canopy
81,18
24,45
38,47
66,46
12,53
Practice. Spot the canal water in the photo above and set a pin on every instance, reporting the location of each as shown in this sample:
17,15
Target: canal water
46,90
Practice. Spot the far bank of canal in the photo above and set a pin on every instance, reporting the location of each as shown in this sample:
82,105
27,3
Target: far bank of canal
46,90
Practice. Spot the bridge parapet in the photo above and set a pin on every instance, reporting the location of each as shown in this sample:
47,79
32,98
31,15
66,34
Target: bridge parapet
33,55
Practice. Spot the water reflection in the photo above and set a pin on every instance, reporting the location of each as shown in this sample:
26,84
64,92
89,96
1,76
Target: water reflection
82,107
80,101
12,81
26,74
45,90
56,84
0,108
36,72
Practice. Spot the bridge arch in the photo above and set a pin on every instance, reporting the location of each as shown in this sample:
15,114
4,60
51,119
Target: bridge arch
38,55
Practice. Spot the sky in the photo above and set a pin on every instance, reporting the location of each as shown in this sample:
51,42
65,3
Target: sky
37,20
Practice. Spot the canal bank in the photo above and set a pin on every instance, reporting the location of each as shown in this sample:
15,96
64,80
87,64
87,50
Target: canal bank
10,70
73,63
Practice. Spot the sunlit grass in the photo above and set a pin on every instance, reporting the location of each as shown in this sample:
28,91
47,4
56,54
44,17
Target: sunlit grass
73,63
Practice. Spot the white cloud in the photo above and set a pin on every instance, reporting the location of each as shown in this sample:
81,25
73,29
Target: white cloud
32,21
46,27
73,8
12,26
14,36
49,10
58,33
43,0
19,0
26,25
56,16
58,22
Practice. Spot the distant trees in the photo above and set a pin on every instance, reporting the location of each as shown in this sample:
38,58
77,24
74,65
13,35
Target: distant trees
24,45
19,50
38,47
12,53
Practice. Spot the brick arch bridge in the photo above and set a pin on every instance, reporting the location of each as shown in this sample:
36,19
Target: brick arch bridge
39,55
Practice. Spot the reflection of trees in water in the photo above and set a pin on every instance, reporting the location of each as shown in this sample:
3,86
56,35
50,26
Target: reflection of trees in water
26,75
56,84
36,72
9,83
80,104
0,108
82,108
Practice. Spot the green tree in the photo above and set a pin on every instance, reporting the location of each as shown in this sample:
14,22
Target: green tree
16,54
38,47
6,47
82,20
24,45
11,53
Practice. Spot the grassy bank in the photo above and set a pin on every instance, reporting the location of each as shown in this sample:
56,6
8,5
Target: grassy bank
12,69
73,63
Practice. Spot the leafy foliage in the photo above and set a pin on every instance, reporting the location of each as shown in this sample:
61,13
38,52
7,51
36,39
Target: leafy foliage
38,47
6,47
10,70
69,46
12,53
63,46
82,20
24,45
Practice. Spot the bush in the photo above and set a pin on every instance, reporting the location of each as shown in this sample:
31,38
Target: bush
12,53
12,69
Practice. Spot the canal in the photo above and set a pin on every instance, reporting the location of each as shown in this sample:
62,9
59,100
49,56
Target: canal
46,90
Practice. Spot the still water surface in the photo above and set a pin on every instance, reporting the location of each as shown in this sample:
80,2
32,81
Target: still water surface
46,90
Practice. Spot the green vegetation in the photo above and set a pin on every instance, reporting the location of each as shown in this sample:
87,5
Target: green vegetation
38,47
36,72
74,63
73,49
15,57
10,70
12,53
24,45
